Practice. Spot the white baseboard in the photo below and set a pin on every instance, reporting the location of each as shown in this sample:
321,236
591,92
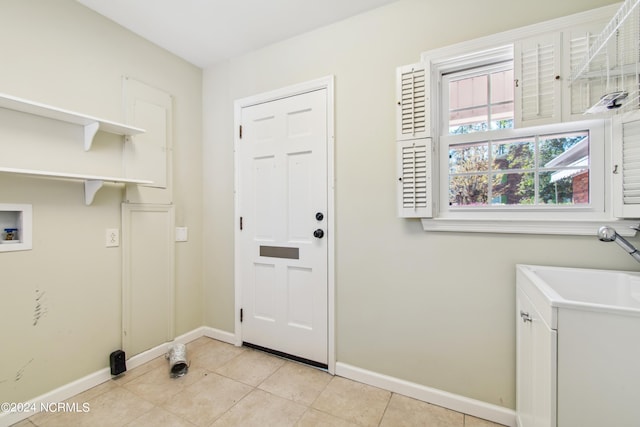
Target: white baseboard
162,349
58,395
219,335
103,375
476,408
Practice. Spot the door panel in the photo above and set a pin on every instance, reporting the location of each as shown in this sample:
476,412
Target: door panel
300,298
300,197
148,155
264,292
148,276
265,207
282,185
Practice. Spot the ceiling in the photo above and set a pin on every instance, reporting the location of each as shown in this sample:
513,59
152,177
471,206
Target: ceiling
204,32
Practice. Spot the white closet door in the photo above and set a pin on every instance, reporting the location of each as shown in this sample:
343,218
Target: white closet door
148,276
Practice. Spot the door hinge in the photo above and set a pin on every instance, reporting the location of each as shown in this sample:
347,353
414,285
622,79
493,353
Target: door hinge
240,223
240,131
241,315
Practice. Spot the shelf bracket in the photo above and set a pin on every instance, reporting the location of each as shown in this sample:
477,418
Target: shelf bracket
90,131
91,187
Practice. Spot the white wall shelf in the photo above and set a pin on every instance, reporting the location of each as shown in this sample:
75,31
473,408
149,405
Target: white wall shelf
92,183
90,124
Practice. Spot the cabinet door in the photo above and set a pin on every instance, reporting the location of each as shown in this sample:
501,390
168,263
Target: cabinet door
149,155
148,284
536,376
524,364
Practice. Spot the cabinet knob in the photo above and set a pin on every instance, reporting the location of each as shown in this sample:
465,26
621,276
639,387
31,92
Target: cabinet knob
526,317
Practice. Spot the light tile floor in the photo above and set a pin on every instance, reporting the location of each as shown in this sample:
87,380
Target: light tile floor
237,386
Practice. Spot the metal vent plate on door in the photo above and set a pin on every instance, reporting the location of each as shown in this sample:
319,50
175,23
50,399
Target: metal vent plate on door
280,252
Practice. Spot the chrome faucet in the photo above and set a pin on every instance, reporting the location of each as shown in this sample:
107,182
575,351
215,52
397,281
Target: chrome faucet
609,234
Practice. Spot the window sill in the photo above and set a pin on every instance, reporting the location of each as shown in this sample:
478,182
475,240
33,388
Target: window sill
514,226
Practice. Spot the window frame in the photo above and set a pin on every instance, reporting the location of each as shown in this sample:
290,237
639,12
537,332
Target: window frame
572,220
597,150
487,69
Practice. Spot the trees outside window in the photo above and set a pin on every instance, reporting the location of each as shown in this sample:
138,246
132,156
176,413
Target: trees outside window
537,170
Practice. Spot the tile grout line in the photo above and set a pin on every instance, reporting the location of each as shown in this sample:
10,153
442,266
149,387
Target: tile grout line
385,409
286,361
234,405
310,406
322,391
272,374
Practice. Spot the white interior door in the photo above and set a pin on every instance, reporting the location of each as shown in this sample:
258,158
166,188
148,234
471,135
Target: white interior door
282,201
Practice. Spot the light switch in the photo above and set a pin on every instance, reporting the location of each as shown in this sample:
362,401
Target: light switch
182,234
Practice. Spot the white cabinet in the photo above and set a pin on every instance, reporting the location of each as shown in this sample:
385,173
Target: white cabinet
578,365
536,349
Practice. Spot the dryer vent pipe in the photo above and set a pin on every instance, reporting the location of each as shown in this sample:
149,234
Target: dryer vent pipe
177,356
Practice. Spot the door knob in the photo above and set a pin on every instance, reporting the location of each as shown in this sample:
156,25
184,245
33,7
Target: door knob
319,233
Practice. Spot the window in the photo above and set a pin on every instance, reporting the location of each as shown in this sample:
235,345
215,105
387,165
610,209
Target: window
491,171
480,99
469,161
543,173
494,176
534,171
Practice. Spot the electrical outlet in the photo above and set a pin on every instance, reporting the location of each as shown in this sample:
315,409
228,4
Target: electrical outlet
112,237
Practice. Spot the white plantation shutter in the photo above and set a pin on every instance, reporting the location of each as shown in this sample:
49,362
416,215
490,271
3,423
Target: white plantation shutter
626,181
538,80
414,180
584,93
413,94
627,58
413,127
610,63
631,162
613,68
